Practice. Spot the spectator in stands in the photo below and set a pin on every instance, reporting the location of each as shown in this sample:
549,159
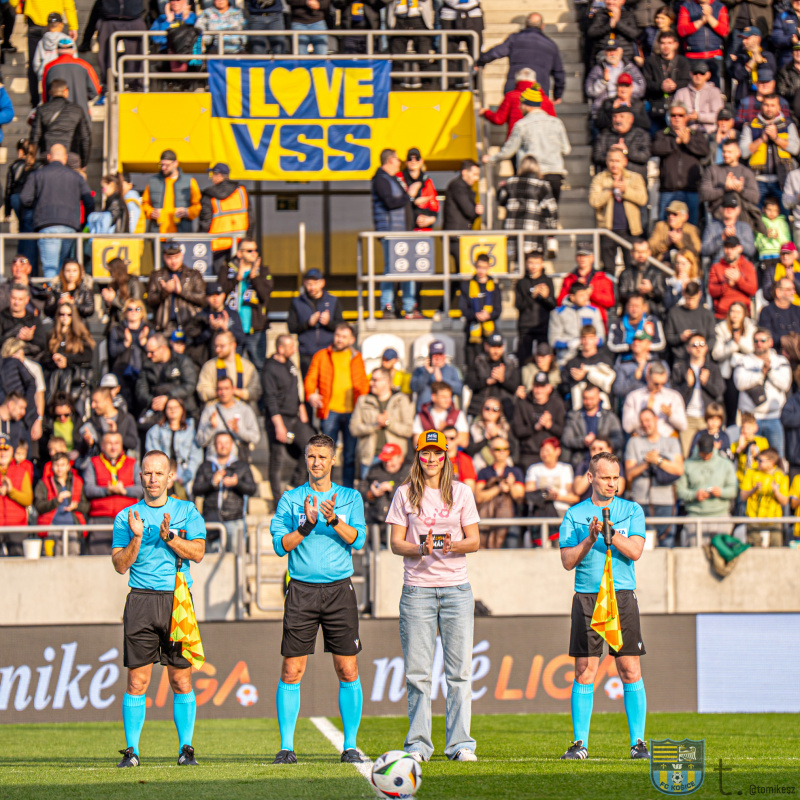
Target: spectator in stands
534,299
630,369
114,216
772,143
16,496
707,487
55,193
59,121
766,491
623,98
224,480
653,463
121,288
788,266
633,141
543,137
782,315
171,199
681,150
46,50
770,244
730,178
530,49
725,130
71,286
385,415
601,82
165,374
216,317
383,478
463,468
551,479
733,335
401,16
491,374
701,98
357,18
59,499
399,378
731,279
745,58
115,18
176,292
230,415
602,289
37,16
105,418
703,28
688,316
286,418
21,275
618,197
261,17
175,13
537,417
225,205
749,108
461,209
313,317
12,414
785,33
635,319
544,360
569,319
699,383
763,379
440,413
310,15
665,71
588,423
222,17
643,279
69,352
127,341
717,230
419,186
18,322
111,482
228,363
788,84
435,369
17,378
481,304
655,20
715,417
674,234
175,436
616,23
746,449
248,284
590,367
335,381
79,75
490,423
666,404
498,489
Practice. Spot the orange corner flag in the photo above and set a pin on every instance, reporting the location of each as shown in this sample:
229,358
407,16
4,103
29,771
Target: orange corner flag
605,619
184,628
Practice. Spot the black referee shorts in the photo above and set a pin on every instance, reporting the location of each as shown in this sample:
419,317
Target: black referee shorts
585,642
309,605
146,624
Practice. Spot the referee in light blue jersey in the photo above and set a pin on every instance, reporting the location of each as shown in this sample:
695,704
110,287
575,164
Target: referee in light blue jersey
583,549
318,525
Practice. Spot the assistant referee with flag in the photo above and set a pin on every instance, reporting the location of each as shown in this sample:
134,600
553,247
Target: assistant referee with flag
610,619
156,539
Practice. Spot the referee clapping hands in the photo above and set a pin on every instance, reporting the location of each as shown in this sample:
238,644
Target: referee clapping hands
327,507
135,523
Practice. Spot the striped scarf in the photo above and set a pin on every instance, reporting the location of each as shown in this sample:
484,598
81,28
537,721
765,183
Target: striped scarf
222,371
113,469
479,330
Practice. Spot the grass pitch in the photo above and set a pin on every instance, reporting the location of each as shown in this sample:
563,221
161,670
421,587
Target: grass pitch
519,758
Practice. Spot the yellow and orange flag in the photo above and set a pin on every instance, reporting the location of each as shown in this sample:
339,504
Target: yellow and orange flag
184,627
605,619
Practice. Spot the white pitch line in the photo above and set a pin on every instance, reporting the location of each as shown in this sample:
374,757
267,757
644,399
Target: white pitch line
336,738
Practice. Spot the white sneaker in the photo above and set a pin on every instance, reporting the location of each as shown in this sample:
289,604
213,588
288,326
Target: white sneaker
417,756
465,755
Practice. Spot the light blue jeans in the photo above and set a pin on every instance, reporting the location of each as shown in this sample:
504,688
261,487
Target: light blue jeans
772,431
319,43
451,609
53,252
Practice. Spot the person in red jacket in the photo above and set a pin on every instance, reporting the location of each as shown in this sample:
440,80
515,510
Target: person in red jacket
16,496
602,296
421,190
731,280
336,378
60,500
509,110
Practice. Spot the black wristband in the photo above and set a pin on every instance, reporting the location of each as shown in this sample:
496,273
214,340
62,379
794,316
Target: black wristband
306,528
332,523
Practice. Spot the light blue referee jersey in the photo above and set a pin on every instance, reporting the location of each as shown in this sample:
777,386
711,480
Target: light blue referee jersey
323,556
627,518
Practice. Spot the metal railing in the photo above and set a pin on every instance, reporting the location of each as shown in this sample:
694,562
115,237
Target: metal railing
367,239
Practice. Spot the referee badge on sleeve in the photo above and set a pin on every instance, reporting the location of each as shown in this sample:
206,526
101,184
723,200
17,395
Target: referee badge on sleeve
301,519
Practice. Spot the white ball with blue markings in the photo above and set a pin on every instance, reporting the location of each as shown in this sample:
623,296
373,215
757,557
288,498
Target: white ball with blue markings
396,774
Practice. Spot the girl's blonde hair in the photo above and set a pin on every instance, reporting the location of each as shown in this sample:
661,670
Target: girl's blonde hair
416,483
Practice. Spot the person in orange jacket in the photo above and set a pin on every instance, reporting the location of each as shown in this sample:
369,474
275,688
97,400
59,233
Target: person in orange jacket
336,378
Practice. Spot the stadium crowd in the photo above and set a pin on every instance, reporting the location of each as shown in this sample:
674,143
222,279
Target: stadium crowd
680,354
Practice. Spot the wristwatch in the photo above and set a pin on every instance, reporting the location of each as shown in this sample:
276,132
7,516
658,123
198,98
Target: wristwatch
660,460
170,536
332,523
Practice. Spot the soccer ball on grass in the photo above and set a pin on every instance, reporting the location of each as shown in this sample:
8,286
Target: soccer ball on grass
396,774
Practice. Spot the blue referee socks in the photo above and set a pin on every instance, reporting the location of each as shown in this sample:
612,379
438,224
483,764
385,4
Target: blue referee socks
581,704
184,710
351,700
133,711
287,700
636,709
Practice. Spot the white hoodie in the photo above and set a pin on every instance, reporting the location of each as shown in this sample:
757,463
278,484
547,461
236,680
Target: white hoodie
748,374
46,51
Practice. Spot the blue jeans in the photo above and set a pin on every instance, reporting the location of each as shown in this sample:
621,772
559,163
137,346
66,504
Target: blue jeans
255,348
666,533
451,610
772,431
271,22
53,252
331,426
388,290
319,43
767,188
690,198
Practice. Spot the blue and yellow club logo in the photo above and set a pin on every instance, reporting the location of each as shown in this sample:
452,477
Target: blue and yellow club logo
677,768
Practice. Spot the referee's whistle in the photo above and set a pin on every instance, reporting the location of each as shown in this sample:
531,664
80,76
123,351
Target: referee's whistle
608,531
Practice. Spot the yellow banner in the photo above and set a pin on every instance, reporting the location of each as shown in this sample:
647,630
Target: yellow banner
103,250
470,247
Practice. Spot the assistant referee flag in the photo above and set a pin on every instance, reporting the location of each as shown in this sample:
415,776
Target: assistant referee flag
605,619
184,627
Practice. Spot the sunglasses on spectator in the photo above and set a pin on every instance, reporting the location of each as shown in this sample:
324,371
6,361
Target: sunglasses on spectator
491,408
698,344
64,313
500,449
21,260
761,340
677,114
413,158
62,416
134,308
251,250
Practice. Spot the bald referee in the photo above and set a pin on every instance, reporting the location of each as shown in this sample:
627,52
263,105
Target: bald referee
583,551
319,524
146,542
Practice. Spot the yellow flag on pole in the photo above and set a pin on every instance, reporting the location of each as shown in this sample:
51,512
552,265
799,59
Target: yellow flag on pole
184,627
605,619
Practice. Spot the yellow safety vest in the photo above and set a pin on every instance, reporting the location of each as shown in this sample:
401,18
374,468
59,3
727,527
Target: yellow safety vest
230,216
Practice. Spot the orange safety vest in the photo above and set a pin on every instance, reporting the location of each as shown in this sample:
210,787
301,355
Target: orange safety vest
230,216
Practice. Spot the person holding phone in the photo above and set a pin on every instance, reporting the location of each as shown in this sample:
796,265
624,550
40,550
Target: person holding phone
434,525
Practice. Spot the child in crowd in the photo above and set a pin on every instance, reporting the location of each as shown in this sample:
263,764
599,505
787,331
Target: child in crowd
765,489
747,448
714,417
769,245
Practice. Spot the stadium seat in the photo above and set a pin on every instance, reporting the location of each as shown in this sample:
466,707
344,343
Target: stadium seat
373,347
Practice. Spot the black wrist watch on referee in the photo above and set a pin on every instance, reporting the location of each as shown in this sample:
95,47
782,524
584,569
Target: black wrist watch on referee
332,523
